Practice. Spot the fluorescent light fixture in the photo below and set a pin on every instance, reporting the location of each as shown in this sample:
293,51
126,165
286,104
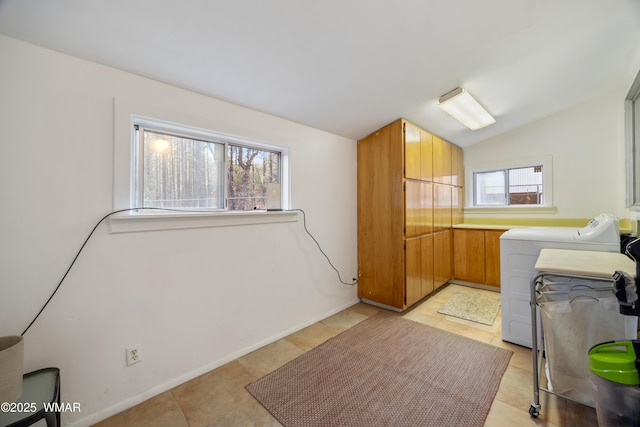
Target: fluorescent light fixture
464,108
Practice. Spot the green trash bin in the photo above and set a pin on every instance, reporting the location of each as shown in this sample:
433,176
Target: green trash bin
614,370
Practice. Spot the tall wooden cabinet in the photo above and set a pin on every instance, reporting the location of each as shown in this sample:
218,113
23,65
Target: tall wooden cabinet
409,194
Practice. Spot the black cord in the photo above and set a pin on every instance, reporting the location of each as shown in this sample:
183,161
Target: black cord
73,262
160,209
304,223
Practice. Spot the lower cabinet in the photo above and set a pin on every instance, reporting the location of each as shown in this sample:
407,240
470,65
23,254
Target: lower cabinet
428,264
476,256
468,255
418,268
442,258
492,257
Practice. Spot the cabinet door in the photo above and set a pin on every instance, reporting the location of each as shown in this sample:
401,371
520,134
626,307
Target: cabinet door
413,270
457,205
441,207
469,255
419,264
418,208
426,156
426,245
442,253
457,166
413,211
441,160
426,208
492,257
412,151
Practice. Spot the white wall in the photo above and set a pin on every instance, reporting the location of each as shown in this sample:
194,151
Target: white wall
586,143
193,299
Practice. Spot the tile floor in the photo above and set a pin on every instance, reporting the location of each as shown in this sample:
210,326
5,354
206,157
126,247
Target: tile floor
218,398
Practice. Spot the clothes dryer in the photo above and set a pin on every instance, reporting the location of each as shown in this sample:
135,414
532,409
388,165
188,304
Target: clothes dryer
519,250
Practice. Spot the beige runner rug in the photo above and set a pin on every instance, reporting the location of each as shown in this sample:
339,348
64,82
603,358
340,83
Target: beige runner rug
386,371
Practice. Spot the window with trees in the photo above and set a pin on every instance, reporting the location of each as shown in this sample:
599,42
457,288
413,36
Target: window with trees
179,169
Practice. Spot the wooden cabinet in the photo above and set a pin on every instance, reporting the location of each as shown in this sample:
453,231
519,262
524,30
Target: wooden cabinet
477,256
381,211
426,155
492,257
442,206
442,161
442,258
419,268
418,208
468,259
405,212
457,205
457,166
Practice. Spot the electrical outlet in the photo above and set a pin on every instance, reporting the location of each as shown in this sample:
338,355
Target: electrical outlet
134,354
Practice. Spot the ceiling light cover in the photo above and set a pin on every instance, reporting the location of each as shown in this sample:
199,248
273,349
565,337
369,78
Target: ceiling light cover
464,108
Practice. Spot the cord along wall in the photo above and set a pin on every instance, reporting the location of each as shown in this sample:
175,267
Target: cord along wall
79,252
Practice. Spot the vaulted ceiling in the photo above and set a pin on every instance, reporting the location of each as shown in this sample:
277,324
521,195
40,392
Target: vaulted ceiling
351,66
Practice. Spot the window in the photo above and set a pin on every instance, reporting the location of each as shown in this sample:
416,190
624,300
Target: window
508,187
204,196
632,135
249,171
182,169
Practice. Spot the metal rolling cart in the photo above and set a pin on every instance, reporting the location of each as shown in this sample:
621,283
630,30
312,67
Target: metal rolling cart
582,280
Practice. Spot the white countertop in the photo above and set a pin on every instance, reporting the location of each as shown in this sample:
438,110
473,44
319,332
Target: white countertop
586,263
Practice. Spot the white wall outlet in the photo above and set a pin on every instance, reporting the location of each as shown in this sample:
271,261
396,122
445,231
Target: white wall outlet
134,354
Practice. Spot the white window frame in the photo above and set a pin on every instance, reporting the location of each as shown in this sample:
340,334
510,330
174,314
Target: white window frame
141,125
547,179
632,139
126,115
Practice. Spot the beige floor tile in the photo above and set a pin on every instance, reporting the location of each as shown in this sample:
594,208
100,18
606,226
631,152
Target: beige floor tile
421,317
504,415
365,309
312,336
516,390
463,327
521,358
430,306
578,415
160,411
219,398
552,408
218,394
270,357
445,292
345,319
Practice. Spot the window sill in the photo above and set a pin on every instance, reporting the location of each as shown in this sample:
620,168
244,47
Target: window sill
128,222
518,210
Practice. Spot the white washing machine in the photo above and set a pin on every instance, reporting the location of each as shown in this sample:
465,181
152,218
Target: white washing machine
519,250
